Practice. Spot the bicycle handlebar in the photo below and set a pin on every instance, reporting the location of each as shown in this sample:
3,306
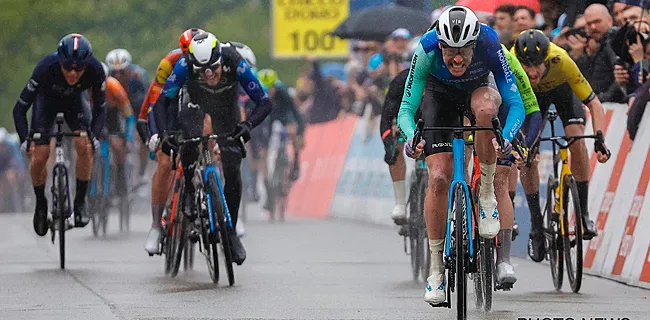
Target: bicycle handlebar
569,140
496,128
38,135
203,138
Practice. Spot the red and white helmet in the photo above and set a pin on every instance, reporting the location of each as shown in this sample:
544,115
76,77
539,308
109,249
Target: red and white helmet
186,38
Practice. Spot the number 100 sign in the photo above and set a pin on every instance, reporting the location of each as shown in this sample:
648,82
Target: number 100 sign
302,27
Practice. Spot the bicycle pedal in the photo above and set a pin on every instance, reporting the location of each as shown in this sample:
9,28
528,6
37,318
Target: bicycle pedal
400,221
193,236
403,231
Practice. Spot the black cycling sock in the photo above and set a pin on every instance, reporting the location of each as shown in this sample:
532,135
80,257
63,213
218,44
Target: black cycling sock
80,194
189,155
535,210
512,197
583,194
39,191
232,190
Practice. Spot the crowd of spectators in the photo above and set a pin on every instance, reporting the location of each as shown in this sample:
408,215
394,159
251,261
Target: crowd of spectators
608,41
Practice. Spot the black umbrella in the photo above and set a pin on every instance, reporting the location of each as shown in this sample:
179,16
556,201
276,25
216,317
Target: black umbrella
377,23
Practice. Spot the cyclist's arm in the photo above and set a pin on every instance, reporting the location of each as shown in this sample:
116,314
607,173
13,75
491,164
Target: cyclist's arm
507,85
391,107
253,88
99,98
27,97
414,87
585,93
169,93
523,83
533,125
123,103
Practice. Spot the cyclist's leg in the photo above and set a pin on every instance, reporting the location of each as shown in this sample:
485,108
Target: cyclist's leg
188,118
485,103
530,180
116,134
438,110
573,117
398,175
42,119
78,120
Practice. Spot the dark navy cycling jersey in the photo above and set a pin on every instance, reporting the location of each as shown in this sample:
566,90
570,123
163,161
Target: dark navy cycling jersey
47,80
222,97
488,58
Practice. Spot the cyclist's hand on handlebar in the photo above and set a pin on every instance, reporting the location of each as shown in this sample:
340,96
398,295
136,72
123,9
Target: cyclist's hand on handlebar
23,147
242,131
602,153
153,142
96,143
414,153
507,148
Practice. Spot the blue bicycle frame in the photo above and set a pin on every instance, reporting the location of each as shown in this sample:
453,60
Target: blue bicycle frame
107,170
211,169
458,149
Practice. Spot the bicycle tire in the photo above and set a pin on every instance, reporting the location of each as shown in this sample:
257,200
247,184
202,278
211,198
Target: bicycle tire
553,249
209,241
61,203
416,254
574,274
188,256
178,238
461,276
95,200
172,210
425,266
488,269
220,217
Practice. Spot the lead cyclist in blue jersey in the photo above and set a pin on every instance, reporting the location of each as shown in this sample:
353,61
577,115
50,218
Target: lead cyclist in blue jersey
454,81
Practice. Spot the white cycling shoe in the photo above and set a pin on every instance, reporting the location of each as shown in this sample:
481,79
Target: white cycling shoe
506,273
240,229
488,222
435,290
152,245
399,214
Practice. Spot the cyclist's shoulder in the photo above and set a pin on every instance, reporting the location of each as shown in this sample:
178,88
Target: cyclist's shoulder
47,64
559,58
139,72
429,41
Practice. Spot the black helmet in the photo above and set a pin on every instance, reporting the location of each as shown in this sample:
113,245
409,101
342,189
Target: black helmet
74,49
531,47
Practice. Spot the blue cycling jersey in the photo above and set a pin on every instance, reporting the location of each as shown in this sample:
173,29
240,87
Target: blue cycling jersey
488,58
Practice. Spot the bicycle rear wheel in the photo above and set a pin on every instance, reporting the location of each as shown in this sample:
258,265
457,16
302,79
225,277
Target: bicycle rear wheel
178,238
96,196
460,211
218,207
61,203
572,237
551,234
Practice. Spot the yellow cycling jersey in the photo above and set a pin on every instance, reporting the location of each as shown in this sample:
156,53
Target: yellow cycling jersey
560,69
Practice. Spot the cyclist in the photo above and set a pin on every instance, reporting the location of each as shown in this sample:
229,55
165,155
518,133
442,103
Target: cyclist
117,107
57,85
136,81
204,82
556,79
463,66
149,134
286,112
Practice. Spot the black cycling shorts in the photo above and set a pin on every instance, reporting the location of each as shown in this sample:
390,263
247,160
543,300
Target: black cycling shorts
442,106
76,112
115,124
567,104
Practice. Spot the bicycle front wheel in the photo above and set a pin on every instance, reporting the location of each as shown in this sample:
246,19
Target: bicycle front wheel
62,216
178,238
572,235
460,210
218,207
552,236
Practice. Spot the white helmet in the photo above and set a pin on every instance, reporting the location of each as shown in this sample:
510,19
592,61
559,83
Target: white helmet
106,71
118,59
246,53
458,27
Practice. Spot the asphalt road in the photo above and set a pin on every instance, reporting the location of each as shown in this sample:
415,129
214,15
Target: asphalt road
300,269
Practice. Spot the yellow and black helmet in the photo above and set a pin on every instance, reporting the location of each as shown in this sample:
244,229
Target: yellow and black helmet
531,47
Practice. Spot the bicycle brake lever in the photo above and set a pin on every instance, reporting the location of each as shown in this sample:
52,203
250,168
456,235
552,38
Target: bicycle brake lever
496,125
418,133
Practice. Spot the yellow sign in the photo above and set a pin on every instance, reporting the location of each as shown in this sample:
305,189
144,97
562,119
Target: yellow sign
302,27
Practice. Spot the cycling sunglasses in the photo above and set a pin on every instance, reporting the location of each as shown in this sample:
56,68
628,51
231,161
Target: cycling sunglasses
208,70
463,52
73,66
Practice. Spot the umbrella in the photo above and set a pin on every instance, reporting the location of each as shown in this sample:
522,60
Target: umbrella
491,5
639,3
377,23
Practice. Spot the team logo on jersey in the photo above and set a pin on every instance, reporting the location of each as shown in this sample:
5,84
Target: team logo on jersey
252,85
513,88
193,106
409,85
555,59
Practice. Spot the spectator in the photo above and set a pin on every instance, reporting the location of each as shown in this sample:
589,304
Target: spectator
631,14
595,56
504,23
395,54
551,12
326,102
574,8
618,9
524,19
561,39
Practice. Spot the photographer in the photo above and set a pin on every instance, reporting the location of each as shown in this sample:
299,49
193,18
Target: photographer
594,55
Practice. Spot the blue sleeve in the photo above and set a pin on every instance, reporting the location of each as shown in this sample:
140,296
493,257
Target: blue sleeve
533,127
506,83
130,126
253,88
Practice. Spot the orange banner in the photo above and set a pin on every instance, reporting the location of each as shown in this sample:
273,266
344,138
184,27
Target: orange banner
321,164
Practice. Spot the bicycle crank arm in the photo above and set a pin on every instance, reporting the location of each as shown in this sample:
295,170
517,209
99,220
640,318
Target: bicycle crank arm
445,304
